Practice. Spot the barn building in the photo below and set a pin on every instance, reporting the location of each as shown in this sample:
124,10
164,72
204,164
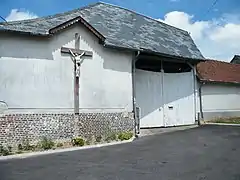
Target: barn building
92,70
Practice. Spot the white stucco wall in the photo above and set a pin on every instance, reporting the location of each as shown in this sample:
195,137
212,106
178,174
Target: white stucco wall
34,74
220,100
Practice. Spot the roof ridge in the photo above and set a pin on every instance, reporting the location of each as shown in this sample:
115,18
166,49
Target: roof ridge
217,60
19,21
88,6
97,15
51,16
137,13
220,61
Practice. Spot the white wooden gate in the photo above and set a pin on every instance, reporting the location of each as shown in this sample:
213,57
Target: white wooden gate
149,98
165,99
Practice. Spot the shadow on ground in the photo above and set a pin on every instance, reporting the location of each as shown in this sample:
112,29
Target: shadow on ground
208,152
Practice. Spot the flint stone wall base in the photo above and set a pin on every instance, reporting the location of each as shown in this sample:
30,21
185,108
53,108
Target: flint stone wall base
16,128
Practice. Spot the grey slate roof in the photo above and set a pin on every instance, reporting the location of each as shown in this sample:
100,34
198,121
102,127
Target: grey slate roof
121,27
236,59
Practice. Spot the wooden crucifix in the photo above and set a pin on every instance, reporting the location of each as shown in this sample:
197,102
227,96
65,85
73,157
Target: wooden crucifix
77,56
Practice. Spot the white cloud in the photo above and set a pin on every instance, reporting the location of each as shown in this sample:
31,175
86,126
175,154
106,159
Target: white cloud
16,15
174,0
216,38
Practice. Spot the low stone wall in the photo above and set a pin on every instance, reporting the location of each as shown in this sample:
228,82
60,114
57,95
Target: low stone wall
16,128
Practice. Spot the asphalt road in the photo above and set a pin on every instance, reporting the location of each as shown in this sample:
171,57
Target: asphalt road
209,152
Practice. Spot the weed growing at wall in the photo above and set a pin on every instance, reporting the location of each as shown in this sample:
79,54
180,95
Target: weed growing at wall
59,145
5,151
46,143
111,137
78,141
125,136
98,138
229,120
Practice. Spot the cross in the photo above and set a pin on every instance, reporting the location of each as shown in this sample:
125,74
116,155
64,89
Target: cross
77,57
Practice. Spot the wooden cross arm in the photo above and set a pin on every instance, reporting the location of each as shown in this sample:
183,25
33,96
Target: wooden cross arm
76,51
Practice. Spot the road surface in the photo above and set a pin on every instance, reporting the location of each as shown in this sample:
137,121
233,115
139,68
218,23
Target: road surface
208,152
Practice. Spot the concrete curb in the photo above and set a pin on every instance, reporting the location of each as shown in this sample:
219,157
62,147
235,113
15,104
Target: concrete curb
221,124
157,131
34,154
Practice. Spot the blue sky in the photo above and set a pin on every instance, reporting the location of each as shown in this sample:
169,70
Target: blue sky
153,8
209,29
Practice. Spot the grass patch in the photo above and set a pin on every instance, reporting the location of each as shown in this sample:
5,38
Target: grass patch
46,144
232,120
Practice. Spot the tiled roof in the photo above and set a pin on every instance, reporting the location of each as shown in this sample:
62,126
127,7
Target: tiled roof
218,71
236,59
120,27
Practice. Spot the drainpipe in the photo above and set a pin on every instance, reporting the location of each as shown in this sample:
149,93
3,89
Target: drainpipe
136,119
162,94
200,102
195,90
